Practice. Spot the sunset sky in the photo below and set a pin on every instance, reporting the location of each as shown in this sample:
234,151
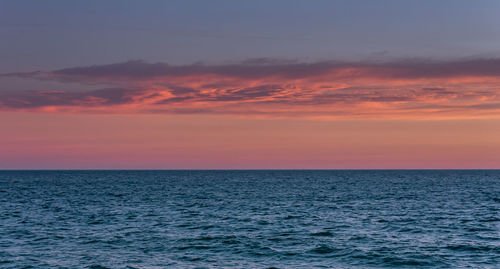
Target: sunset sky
249,84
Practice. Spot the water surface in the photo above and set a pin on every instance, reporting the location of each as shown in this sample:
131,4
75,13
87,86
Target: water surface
250,219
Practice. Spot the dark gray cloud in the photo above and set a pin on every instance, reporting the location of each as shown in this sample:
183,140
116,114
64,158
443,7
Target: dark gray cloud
261,68
36,99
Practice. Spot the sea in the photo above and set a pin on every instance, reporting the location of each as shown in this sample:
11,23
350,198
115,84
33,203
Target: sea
250,219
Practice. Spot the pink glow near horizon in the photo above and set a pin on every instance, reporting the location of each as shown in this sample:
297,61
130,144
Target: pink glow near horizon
50,141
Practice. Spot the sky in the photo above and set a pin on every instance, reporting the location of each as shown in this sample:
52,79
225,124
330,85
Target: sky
274,84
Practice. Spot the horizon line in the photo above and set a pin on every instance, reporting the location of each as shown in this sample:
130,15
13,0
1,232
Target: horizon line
258,169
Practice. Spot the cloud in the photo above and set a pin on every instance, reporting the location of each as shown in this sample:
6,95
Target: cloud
407,88
265,68
94,98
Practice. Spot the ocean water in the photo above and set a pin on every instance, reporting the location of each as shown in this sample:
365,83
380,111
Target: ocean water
250,219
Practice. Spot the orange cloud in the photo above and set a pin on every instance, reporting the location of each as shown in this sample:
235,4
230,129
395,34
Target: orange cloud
398,89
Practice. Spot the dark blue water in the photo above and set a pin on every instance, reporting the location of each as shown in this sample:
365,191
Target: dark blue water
250,219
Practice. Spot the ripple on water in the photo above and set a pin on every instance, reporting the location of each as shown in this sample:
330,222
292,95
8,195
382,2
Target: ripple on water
322,233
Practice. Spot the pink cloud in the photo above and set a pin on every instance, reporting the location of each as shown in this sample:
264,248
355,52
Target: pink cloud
411,88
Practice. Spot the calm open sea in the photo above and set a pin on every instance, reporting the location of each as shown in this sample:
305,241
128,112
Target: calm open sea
250,219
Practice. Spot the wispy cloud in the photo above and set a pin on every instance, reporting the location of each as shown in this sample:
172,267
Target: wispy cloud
265,68
407,88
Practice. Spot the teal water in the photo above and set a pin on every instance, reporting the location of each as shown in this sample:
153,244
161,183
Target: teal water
250,219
